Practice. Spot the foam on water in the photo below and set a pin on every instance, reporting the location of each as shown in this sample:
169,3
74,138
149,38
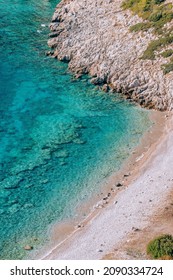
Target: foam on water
59,138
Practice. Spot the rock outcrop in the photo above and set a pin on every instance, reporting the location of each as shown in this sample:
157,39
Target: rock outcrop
94,37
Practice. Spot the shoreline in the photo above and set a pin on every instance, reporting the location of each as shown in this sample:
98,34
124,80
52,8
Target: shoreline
140,159
109,52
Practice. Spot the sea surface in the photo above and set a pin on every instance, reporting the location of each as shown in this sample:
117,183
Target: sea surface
59,137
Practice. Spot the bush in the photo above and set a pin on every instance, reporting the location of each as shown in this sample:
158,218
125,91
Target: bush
142,26
167,68
128,4
157,2
167,53
155,45
161,246
155,16
147,6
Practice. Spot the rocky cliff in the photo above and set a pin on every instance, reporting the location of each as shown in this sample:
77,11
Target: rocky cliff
94,37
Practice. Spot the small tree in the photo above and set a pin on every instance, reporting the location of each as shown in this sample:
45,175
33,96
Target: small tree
161,246
159,1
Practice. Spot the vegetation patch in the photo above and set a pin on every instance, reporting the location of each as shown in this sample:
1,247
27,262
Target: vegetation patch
142,26
155,14
167,67
156,45
161,247
167,53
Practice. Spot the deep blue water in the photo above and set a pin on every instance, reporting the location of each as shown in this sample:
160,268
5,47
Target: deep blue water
59,138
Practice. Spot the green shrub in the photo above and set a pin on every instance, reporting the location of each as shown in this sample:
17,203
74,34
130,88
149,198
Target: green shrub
167,53
128,4
167,68
153,46
147,6
157,2
155,16
142,26
161,246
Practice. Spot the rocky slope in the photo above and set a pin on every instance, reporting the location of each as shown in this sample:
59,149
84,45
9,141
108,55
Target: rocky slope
94,37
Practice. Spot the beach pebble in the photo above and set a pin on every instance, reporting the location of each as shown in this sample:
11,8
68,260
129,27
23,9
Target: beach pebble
135,229
99,207
126,175
28,248
105,202
79,226
118,185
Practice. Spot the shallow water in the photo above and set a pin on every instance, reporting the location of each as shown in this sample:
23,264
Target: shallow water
59,138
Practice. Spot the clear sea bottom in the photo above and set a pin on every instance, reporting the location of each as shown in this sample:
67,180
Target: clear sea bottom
59,138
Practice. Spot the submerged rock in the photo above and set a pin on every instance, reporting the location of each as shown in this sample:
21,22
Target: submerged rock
28,248
12,182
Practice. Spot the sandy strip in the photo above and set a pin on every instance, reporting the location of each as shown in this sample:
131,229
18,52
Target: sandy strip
131,208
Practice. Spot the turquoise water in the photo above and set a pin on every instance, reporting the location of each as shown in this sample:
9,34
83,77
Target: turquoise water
59,138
